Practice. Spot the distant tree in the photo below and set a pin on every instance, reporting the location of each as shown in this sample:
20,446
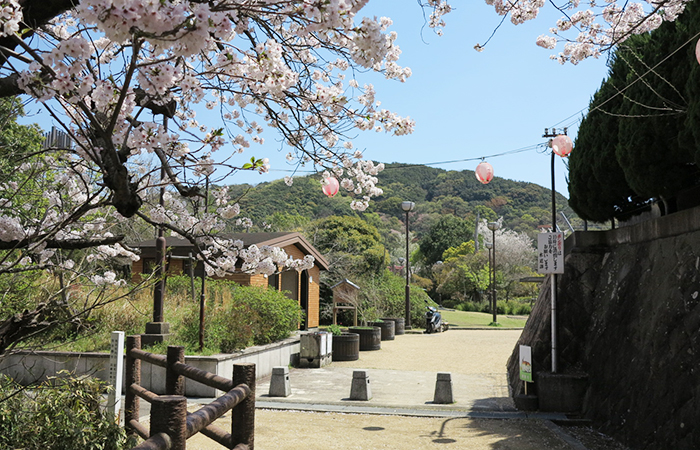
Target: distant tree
486,213
352,246
515,256
463,275
281,221
453,205
448,231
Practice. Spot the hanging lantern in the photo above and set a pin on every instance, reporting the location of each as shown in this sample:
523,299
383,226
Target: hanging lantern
484,172
562,145
330,186
697,51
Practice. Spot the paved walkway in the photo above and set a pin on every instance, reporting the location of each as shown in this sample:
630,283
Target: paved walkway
462,354
401,413
407,392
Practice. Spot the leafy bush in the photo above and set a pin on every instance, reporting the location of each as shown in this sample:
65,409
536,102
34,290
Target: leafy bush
512,308
335,330
21,291
63,414
248,316
385,296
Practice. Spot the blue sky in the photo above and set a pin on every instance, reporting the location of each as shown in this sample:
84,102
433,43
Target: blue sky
470,104
467,104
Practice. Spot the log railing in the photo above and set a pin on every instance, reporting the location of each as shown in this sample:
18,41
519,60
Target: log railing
171,424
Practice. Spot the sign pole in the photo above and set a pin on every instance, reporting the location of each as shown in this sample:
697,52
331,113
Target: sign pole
525,365
116,368
554,322
550,249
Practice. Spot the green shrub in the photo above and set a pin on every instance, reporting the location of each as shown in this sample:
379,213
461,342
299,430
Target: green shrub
384,295
335,330
62,414
514,308
249,316
471,306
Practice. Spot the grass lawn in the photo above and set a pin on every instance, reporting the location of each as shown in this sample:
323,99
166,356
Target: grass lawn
478,319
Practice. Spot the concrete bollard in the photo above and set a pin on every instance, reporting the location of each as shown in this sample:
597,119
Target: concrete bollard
360,389
443,389
279,383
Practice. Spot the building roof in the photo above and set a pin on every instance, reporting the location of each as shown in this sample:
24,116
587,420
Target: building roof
272,239
347,283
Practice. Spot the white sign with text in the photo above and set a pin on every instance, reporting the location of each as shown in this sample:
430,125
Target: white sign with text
550,253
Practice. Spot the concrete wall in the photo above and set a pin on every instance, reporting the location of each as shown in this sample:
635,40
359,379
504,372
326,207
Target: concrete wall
29,367
629,318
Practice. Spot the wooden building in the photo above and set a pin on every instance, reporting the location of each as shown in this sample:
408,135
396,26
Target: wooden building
303,287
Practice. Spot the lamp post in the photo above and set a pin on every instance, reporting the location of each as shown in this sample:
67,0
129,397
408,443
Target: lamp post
493,226
489,246
408,207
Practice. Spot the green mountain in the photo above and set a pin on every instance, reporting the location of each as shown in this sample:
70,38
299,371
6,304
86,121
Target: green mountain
524,206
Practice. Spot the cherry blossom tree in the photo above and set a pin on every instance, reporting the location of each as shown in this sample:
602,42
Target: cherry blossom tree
515,253
126,81
135,84
589,28
159,99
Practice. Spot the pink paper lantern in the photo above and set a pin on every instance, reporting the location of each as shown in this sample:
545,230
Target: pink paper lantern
484,172
330,186
562,145
697,51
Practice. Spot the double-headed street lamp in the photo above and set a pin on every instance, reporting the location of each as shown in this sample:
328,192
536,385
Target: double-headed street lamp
408,207
493,226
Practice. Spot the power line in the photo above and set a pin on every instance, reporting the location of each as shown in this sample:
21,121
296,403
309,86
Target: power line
437,163
621,91
572,120
479,158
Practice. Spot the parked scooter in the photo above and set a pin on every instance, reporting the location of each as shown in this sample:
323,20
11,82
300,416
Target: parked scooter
433,319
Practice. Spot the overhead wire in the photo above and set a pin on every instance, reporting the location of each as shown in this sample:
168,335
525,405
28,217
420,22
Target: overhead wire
570,121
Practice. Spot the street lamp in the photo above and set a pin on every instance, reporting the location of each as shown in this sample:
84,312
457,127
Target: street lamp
408,207
493,226
489,246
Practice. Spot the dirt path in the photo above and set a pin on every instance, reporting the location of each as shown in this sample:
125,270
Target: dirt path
473,352
456,351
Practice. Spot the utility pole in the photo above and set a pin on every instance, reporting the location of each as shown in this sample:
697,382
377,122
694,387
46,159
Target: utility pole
550,134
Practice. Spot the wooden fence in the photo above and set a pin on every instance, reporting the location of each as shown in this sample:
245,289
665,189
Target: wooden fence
171,424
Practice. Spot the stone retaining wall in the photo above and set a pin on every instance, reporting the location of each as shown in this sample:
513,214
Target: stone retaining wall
629,317
29,367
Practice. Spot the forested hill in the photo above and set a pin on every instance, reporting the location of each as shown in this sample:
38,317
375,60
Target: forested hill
524,206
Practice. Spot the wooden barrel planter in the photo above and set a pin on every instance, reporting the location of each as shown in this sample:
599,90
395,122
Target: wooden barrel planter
387,327
399,324
370,337
346,347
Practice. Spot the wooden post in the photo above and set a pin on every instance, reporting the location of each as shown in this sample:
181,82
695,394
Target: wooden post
133,376
169,416
159,288
243,415
174,383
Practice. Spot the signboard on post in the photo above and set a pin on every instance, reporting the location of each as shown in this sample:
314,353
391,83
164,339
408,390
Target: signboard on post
550,253
526,363
116,368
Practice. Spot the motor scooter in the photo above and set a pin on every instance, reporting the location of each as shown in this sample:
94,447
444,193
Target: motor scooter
433,320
